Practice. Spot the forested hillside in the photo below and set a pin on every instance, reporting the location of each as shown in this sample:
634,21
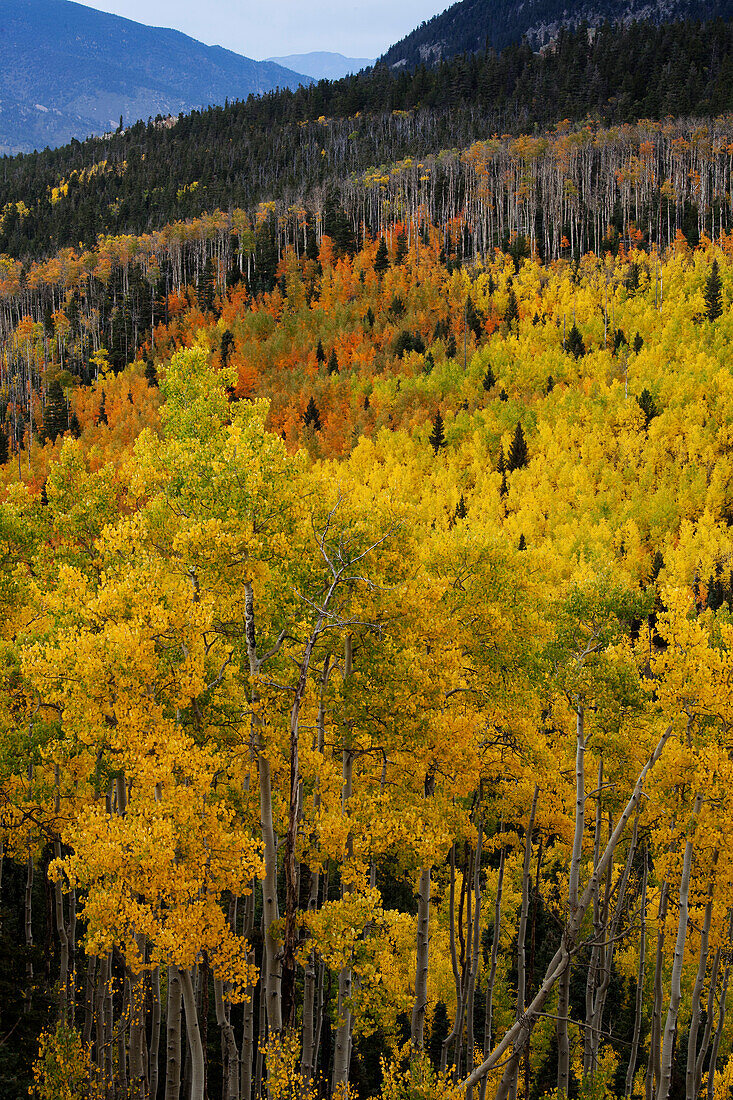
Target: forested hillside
470,26
293,147
366,646
366,588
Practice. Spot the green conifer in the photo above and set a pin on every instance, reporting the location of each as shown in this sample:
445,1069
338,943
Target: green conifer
574,344
54,414
437,436
511,312
227,343
648,406
381,260
311,416
518,454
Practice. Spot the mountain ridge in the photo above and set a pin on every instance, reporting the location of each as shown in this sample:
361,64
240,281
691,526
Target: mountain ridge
473,25
70,71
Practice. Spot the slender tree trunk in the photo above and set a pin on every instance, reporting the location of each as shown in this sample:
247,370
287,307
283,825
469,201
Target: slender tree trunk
654,1064
248,1035
138,1059
721,1023
308,1047
563,1008
28,925
492,967
63,943
423,947
609,949
691,1090
710,1015
173,1036
454,958
474,964
522,933
230,1067
153,1061
193,1033
569,939
342,1049
91,965
590,984
675,992
639,985
272,970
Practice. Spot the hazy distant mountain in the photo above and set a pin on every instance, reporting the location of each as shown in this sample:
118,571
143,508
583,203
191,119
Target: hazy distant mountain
70,71
321,64
473,25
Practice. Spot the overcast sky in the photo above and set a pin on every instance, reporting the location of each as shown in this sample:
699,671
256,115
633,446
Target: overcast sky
267,28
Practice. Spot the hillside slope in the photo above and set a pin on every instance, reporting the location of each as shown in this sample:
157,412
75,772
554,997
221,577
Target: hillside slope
473,25
69,71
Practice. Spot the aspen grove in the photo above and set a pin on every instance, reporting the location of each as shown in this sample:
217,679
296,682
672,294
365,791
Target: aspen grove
366,652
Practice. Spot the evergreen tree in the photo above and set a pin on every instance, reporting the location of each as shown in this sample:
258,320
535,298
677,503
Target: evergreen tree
74,425
311,416
102,415
4,450
522,543
227,343
574,344
370,317
333,363
503,395
151,373
657,566
54,414
381,260
437,436
401,250
716,594
489,380
518,454
474,319
638,343
450,347
501,469
618,339
511,312
320,354
44,494
714,293
428,364
311,247
461,511
648,406
550,384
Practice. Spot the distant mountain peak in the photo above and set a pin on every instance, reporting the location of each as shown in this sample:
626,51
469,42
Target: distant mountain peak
70,71
322,64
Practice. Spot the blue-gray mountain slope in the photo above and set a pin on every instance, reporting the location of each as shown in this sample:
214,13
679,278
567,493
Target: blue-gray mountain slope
69,71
